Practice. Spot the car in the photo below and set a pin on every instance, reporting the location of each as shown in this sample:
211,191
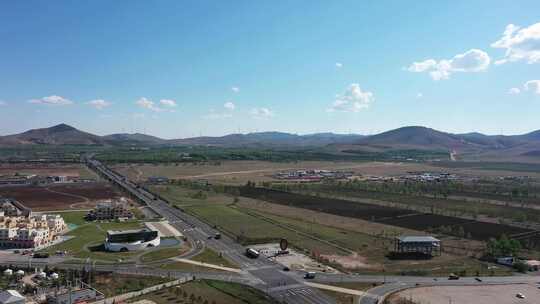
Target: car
453,276
478,279
520,295
286,268
309,275
217,236
16,251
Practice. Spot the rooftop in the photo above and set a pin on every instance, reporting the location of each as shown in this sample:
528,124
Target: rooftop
113,232
417,239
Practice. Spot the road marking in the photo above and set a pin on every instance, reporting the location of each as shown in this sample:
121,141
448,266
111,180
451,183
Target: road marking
207,265
336,288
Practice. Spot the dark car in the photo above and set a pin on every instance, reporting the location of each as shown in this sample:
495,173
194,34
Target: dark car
286,268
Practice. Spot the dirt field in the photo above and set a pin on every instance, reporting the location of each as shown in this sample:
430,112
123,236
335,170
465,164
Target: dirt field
236,172
71,170
61,197
493,294
239,172
382,214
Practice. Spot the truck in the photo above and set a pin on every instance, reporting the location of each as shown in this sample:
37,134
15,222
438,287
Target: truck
252,253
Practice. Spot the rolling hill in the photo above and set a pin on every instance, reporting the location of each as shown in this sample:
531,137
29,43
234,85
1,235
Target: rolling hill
405,138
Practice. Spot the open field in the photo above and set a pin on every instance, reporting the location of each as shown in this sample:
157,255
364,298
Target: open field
355,244
46,169
387,215
209,291
61,196
114,284
490,294
239,172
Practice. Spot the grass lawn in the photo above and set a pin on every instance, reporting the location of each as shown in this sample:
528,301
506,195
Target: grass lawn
73,217
208,291
164,253
181,266
91,235
211,257
115,284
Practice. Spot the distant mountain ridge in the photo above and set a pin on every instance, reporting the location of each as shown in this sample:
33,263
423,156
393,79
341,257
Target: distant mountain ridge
410,137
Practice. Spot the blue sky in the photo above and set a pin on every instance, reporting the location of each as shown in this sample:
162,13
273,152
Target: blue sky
188,68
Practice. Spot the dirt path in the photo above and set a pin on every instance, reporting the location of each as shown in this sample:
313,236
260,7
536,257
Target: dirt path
85,200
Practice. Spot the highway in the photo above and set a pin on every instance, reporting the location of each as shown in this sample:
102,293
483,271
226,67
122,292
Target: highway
262,273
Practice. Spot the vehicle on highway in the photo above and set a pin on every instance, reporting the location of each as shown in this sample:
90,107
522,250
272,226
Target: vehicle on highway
16,251
286,268
252,253
453,276
217,236
40,255
520,295
309,275
478,279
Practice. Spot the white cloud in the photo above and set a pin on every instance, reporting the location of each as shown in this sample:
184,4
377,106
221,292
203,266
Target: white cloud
419,95
99,104
52,100
339,65
168,103
261,113
353,100
229,105
235,89
514,91
520,44
532,85
3,103
148,104
474,60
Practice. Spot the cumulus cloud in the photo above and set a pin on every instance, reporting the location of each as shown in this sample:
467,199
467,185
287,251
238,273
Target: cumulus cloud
514,91
353,100
532,85
474,60
519,44
235,89
229,105
339,65
261,113
148,104
99,104
54,100
168,103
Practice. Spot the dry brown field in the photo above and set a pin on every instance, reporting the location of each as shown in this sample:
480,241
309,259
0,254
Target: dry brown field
61,196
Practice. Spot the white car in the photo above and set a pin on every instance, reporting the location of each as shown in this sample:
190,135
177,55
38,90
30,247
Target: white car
520,295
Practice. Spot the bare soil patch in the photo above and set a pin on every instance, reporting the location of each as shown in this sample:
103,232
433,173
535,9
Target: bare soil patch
60,197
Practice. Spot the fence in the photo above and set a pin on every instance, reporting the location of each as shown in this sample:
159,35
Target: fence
133,294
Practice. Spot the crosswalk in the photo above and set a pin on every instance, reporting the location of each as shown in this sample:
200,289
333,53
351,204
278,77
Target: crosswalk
300,295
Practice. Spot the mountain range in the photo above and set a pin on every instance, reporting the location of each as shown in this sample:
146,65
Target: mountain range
411,137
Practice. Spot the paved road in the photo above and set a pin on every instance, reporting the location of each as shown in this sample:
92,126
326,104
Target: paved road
262,273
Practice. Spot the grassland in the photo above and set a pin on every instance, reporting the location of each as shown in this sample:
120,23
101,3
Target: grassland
87,239
209,256
208,291
254,222
115,284
164,253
